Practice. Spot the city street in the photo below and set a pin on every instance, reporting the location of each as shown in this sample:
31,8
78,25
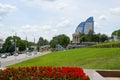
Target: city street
15,59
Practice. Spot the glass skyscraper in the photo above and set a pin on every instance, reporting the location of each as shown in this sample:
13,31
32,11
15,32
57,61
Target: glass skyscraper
86,26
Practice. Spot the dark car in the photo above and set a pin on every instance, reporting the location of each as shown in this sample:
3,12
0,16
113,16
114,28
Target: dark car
8,54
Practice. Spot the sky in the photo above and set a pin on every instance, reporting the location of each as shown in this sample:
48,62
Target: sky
49,18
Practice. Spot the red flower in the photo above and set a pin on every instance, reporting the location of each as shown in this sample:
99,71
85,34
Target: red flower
15,77
43,72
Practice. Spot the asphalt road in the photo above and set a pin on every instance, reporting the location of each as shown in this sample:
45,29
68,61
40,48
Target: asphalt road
15,59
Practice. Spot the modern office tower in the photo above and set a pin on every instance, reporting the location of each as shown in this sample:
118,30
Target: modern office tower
85,27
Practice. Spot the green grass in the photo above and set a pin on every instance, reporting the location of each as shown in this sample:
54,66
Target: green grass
88,58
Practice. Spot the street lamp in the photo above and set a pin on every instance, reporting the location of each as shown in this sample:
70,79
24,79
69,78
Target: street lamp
14,40
34,42
26,41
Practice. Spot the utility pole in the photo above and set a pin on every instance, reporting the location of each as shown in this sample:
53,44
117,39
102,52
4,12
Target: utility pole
26,43
15,42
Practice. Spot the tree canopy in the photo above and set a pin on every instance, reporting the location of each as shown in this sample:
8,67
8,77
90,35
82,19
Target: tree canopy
11,41
42,42
91,37
62,40
117,33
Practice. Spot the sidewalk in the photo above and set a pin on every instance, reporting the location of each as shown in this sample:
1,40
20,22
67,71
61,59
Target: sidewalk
2,68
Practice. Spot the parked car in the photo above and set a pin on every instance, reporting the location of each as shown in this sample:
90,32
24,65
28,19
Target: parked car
28,53
12,53
8,54
3,55
16,54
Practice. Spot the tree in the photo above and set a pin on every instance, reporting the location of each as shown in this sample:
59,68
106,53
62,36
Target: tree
22,45
53,43
103,38
92,37
9,45
63,40
95,38
42,42
117,33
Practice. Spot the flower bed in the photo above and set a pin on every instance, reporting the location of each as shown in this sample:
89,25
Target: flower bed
43,73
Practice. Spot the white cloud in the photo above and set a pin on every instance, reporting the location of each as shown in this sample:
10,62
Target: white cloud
115,10
47,4
63,23
103,17
98,26
49,0
5,9
47,31
35,28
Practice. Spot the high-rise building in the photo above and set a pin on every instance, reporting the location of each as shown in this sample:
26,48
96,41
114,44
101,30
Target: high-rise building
1,43
83,27
86,26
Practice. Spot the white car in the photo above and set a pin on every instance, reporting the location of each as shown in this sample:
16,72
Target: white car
16,54
3,55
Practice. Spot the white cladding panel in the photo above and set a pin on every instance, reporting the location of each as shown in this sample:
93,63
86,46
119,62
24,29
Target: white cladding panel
88,27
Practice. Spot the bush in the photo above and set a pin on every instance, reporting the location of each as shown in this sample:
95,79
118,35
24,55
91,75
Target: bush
107,45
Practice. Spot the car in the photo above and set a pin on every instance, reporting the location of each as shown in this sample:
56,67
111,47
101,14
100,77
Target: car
3,55
8,54
29,53
16,54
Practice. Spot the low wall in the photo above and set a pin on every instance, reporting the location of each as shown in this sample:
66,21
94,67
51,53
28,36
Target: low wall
109,73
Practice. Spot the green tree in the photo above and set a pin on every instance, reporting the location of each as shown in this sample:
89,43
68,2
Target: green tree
103,38
42,42
9,45
95,38
53,43
63,40
92,37
22,45
117,32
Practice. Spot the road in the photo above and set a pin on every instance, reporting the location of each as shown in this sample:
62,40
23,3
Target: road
15,59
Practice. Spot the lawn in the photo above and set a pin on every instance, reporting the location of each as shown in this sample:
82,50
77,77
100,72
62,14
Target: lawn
88,58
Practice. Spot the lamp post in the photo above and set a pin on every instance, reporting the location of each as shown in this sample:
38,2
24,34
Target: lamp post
14,39
34,42
26,43
15,43
15,54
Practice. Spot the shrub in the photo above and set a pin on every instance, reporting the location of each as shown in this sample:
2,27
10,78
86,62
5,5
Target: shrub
107,45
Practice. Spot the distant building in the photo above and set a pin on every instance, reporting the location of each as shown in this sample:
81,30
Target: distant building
83,27
116,38
1,43
76,38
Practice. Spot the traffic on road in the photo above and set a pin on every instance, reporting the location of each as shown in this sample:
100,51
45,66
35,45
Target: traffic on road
12,59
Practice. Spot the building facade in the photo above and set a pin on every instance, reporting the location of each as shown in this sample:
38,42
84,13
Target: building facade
1,43
83,27
86,26
76,38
